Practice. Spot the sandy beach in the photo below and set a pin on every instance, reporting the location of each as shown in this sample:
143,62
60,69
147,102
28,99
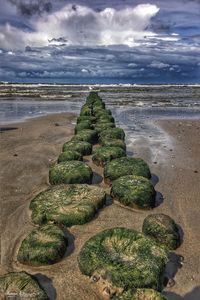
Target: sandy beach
27,149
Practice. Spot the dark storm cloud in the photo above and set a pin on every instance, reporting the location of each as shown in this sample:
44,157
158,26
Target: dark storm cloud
32,7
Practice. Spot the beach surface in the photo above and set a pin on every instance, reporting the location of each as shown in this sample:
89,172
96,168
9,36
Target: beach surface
26,152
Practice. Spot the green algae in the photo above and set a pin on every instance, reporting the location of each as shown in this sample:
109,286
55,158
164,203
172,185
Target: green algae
69,155
84,148
102,155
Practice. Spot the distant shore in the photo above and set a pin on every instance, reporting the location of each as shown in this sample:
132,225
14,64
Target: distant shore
28,148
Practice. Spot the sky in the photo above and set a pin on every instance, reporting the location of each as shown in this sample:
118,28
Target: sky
100,41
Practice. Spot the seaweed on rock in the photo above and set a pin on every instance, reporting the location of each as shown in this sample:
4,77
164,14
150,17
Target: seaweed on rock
126,166
102,155
163,229
20,285
140,294
90,119
113,143
82,125
69,155
134,191
67,204
124,258
112,133
86,135
84,148
103,126
70,172
44,245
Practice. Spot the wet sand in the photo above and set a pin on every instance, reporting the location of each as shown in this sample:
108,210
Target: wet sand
26,153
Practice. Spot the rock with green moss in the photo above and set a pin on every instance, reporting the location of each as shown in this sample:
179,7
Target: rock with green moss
103,126
92,97
20,285
126,166
82,125
69,155
112,133
70,172
86,110
90,119
134,191
105,118
163,229
87,135
124,259
113,143
43,246
67,204
99,111
84,148
102,155
140,294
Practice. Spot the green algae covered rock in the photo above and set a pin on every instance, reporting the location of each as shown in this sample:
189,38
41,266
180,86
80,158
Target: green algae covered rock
82,125
87,135
112,133
84,148
103,126
86,110
99,111
92,97
73,171
102,155
126,166
43,246
90,119
67,204
140,294
163,229
105,118
20,285
134,191
69,155
124,258
113,143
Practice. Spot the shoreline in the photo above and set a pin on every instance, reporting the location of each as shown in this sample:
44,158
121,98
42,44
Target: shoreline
37,143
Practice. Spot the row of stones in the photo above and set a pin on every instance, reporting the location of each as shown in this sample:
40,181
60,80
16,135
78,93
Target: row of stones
78,202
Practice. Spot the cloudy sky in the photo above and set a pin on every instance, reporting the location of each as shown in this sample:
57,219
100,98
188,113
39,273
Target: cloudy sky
100,41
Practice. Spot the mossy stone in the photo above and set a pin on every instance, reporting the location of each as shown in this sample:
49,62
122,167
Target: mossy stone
140,294
92,97
105,118
82,125
99,111
20,285
103,126
163,229
87,135
73,171
112,133
86,110
84,148
124,258
69,155
43,246
126,166
67,204
134,191
90,119
102,155
113,143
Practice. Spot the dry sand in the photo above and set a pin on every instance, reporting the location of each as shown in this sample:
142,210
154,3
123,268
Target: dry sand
26,153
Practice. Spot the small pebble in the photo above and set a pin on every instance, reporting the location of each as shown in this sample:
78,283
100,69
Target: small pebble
15,154
195,171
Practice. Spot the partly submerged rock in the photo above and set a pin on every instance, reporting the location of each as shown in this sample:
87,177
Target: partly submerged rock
124,258
73,171
69,155
163,229
102,155
126,166
20,285
67,204
44,245
134,191
84,148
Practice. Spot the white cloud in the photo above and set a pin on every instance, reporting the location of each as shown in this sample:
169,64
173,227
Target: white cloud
83,26
158,65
